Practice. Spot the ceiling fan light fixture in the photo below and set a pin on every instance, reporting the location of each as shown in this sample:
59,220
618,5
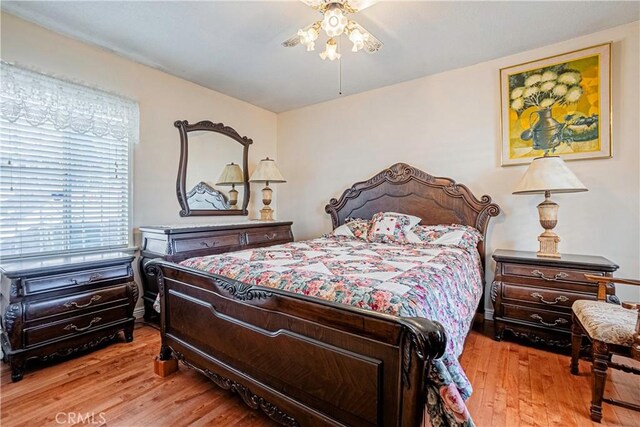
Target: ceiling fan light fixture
334,21
331,51
308,37
358,39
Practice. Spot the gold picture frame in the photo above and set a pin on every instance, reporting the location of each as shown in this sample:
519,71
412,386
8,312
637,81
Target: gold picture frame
560,105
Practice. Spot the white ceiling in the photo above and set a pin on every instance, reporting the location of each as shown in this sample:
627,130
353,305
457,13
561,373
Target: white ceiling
234,46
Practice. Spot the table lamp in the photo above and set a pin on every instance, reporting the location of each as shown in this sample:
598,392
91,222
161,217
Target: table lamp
548,174
231,175
266,172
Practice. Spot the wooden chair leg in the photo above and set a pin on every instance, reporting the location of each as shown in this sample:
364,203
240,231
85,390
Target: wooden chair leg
599,372
576,343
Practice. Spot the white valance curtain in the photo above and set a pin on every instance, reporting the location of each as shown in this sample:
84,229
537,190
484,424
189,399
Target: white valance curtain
65,166
42,100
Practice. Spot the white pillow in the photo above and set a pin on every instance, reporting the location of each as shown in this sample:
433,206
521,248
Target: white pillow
412,237
343,230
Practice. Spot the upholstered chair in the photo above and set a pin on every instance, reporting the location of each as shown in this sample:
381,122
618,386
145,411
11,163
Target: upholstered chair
611,329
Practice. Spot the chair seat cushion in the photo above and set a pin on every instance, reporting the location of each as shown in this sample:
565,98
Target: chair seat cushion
606,322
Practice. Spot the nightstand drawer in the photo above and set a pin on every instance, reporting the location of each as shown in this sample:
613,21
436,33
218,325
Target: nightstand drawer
548,274
278,234
207,242
532,296
46,308
551,319
543,297
76,278
74,325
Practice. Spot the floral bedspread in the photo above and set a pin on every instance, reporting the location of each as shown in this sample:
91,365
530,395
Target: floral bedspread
436,282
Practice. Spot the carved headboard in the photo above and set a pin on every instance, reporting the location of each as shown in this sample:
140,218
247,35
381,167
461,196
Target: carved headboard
405,189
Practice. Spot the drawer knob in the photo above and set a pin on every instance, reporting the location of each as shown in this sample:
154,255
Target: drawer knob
207,244
556,323
541,275
560,298
93,299
270,236
72,327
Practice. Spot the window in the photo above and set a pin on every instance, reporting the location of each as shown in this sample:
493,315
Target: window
64,166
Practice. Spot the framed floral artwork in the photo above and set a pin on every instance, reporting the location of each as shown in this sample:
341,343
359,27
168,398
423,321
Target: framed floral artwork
559,105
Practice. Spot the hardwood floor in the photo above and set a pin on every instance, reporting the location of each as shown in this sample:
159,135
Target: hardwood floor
115,386
517,385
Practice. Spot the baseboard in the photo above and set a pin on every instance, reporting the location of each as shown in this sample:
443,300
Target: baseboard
138,313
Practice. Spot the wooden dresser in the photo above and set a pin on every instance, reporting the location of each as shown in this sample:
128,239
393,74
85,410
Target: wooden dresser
58,306
177,243
532,296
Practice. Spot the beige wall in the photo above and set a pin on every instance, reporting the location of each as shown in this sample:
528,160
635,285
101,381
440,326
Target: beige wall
163,99
448,125
445,124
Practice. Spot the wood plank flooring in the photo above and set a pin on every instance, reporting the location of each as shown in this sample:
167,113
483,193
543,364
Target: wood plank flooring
514,386
517,385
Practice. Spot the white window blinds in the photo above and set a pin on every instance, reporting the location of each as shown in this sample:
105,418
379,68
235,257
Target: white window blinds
64,166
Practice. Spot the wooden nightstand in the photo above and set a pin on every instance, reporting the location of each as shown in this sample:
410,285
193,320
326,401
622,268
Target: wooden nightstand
61,305
532,296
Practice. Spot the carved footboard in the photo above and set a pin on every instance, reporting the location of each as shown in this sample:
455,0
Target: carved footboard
302,361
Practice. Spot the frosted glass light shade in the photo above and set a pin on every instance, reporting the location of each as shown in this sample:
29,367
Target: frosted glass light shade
334,21
308,37
267,171
549,174
357,38
331,51
231,174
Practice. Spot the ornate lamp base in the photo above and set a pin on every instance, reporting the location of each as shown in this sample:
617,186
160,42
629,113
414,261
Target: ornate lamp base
233,197
266,214
548,211
549,245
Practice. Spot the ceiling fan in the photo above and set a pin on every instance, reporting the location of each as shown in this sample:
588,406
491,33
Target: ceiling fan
335,23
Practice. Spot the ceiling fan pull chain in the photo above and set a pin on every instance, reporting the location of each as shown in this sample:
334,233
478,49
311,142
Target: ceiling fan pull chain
340,67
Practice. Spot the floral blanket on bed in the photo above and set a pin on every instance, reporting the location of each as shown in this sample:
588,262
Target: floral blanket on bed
436,282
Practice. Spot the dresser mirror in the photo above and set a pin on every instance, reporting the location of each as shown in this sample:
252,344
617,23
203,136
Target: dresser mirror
212,173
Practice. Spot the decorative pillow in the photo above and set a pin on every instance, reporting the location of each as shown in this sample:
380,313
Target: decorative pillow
462,236
387,227
353,228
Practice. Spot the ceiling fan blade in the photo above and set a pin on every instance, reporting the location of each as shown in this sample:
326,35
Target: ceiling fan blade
295,40
316,4
292,41
372,44
358,5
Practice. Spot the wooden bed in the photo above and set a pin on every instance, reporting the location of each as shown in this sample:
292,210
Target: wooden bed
301,360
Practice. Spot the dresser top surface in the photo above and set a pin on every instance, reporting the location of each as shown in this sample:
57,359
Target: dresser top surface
30,266
567,260
194,228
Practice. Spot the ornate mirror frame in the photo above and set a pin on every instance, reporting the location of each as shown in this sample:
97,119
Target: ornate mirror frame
184,128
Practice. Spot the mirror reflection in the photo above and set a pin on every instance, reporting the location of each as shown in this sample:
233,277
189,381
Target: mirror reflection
214,178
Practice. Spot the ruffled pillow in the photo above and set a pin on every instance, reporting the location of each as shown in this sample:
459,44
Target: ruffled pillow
462,236
391,227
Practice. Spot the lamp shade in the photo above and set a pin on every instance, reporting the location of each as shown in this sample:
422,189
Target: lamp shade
549,173
231,174
267,171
